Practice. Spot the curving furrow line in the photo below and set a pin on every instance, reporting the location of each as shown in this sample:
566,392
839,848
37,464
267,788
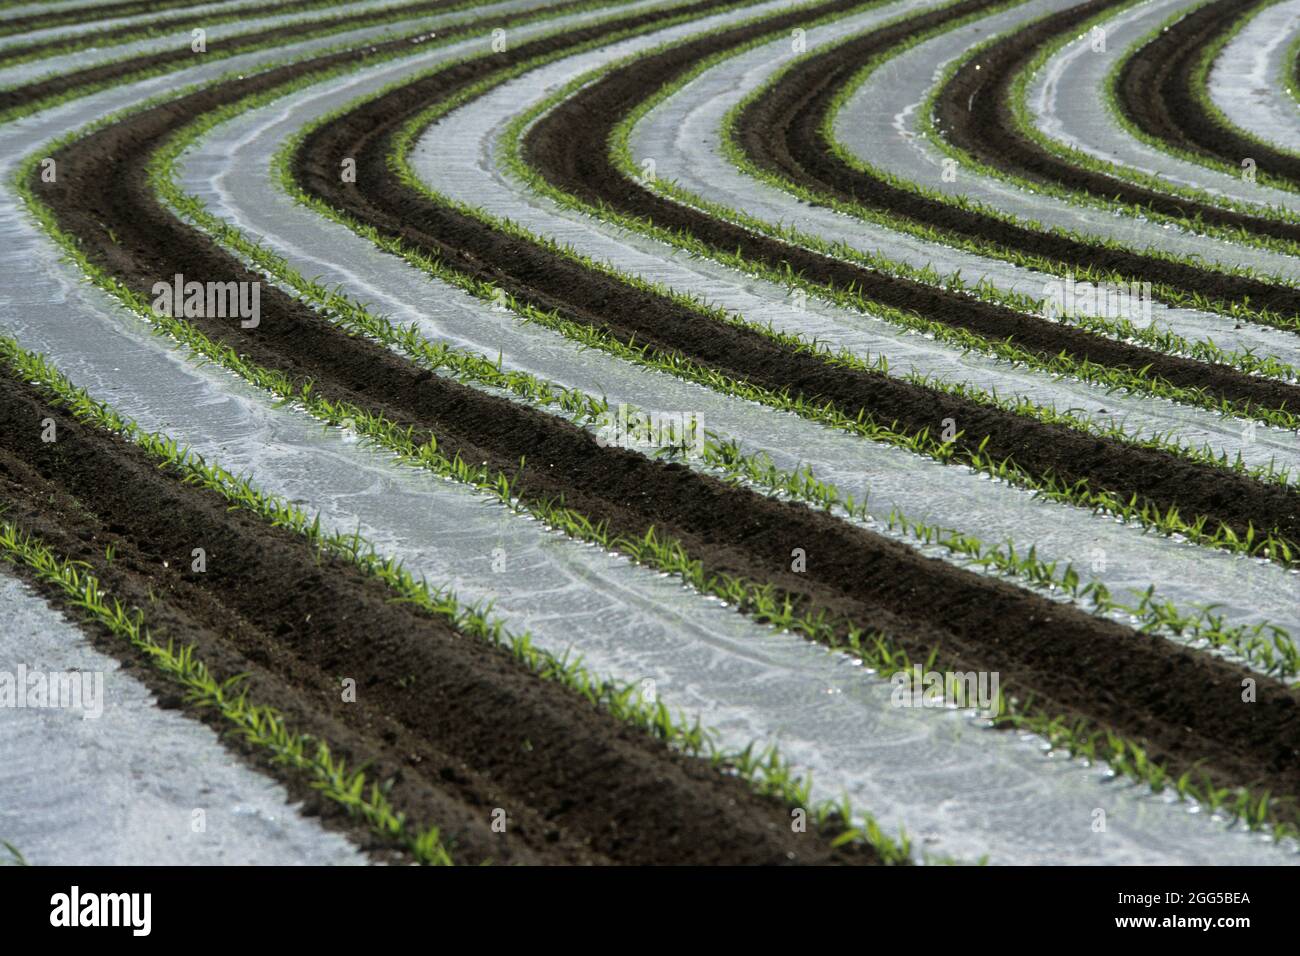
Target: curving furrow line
94,33
419,218
576,164
977,115
33,18
452,157
1248,81
231,175
121,369
888,161
729,677
22,8
94,43
50,90
545,442
1161,92
264,200
116,363
1060,102
682,136
52,65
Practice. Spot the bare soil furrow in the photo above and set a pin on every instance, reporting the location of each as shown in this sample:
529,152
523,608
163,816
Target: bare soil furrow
102,38
458,726
78,15
781,131
1155,90
1060,654
975,114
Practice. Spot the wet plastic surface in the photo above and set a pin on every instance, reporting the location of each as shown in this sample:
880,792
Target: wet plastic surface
125,782
878,123
1250,79
960,789
81,29
229,170
1066,101
180,39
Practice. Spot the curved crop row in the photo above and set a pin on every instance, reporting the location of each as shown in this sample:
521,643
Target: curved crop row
1151,688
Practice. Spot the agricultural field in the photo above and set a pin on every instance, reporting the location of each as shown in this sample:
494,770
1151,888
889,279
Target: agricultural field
714,432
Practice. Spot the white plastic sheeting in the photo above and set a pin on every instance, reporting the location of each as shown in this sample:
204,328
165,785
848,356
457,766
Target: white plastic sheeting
125,782
1249,80
960,789
1066,102
879,123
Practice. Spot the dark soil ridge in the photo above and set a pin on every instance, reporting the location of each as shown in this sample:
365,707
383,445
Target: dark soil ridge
1221,380
100,37
977,623
781,132
38,90
79,15
572,158
1155,93
459,724
565,147
976,115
